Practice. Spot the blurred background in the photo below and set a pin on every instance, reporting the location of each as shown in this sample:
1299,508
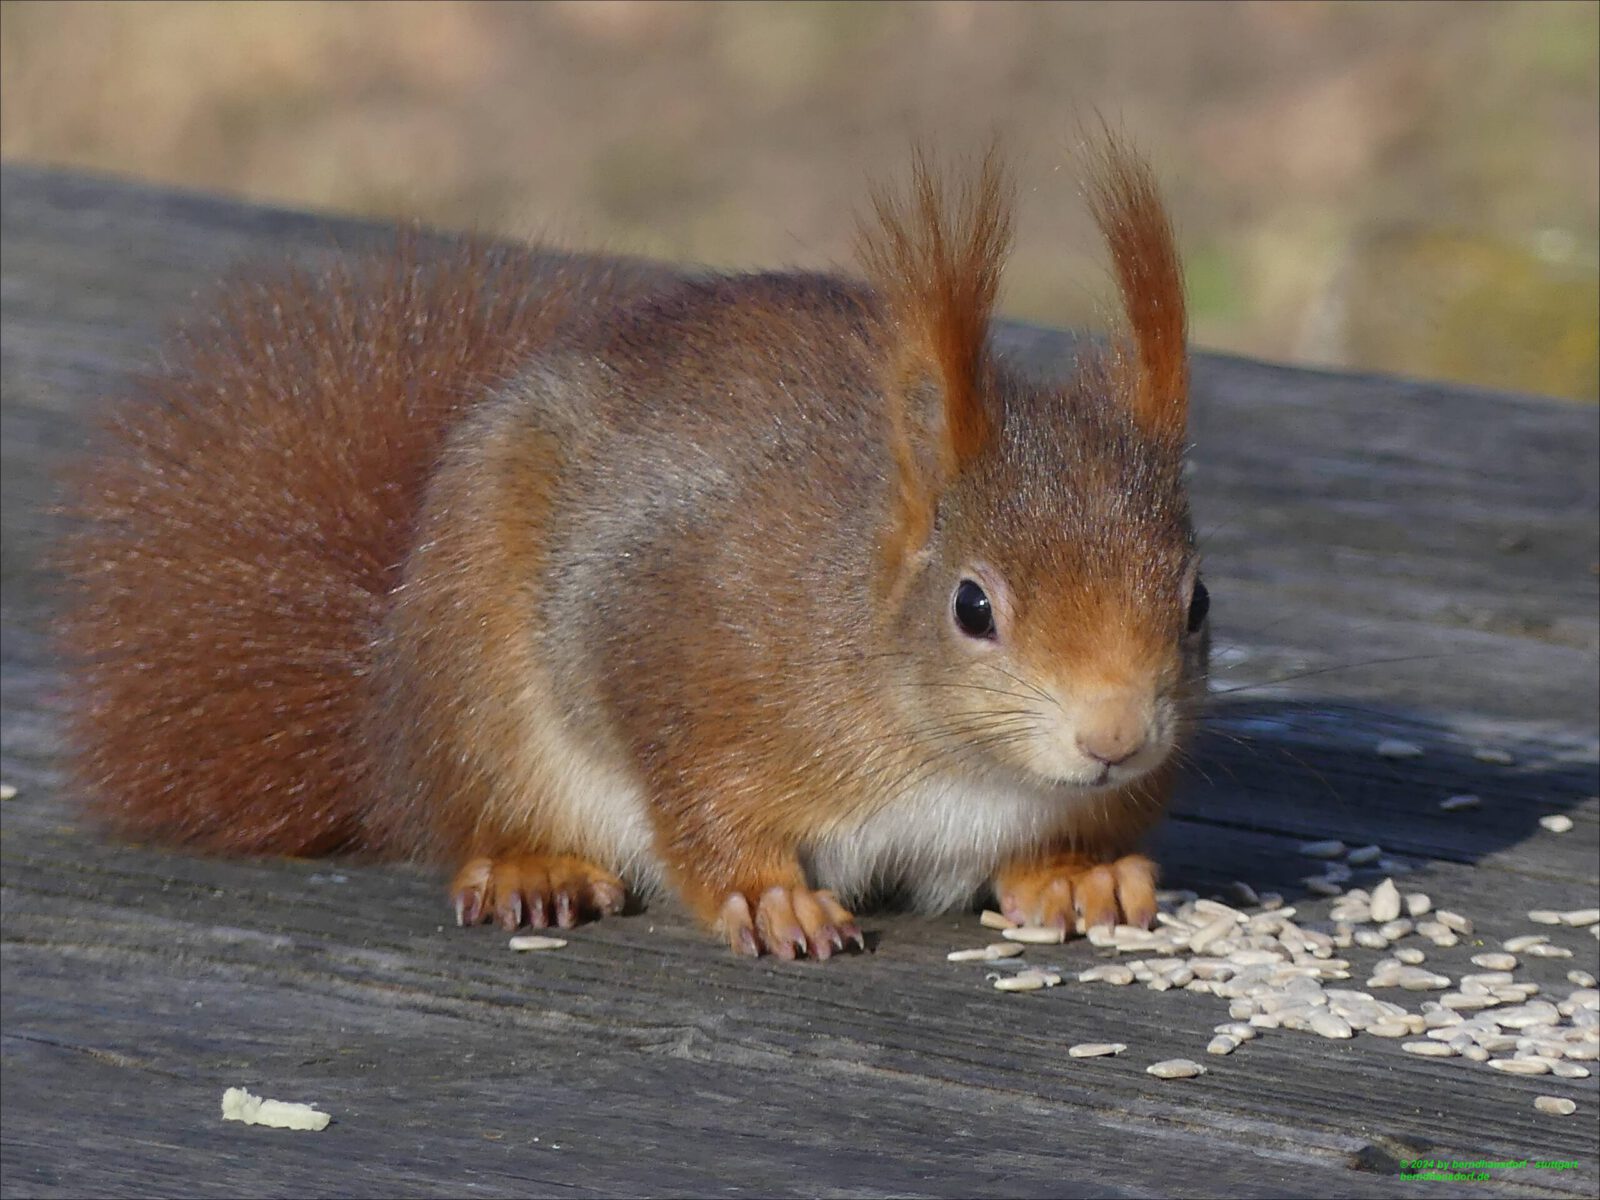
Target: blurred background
1397,187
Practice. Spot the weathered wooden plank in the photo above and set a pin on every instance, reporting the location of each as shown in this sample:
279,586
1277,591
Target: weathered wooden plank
410,1002
1349,519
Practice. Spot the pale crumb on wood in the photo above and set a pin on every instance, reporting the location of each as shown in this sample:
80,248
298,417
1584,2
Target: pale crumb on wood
7,792
1557,1105
1095,1049
239,1105
1175,1068
1557,823
1027,981
1397,748
1039,935
1492,754
1386,902
987,953
535,941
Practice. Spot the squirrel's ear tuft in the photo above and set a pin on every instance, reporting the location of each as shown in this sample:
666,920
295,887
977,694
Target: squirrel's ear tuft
1152,371
935,254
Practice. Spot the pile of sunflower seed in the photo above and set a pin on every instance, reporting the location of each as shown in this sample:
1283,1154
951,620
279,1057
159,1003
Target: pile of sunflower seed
1277,974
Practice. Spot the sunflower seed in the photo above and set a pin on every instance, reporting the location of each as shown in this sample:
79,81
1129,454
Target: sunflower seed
1389,1028
1517,945
1175,1068
1453,921
1494,755
1569,1070
1027,981
1418,904
1221,1044
533,941
1461,1001
1204,936
1329,1025
1428,1049
1095,1049
1543,916
1582,978
1333,848
1117,974
1131,937
1524,1016
1039,935
1520,1066
1558,1106
1397,748
987,953
1459,803
993,920
1433,929
7,792
1557,822
1420,979
1244,893
1321,885
1385,902
1579,917
1495,961
1410,955
1363,855
1546,950
1514,993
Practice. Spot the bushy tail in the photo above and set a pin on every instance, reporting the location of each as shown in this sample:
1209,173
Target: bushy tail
242,519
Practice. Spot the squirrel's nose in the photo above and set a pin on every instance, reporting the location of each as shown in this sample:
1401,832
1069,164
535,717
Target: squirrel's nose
1113,741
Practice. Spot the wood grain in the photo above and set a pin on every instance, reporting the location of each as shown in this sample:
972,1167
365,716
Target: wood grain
1421,556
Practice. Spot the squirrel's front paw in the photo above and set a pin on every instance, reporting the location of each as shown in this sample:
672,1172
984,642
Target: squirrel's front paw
1057,890
539,889
788,922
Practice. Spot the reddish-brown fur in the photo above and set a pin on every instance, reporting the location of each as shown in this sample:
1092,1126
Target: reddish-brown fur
1155,371
241,522
362,568
936,258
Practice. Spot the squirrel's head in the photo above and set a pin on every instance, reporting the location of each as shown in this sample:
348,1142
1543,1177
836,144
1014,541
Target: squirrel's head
1040,554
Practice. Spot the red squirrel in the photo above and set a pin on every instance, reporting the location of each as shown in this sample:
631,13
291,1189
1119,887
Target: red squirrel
781,591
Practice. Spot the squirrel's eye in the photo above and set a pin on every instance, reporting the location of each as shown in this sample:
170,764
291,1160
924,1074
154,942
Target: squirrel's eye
973,611
1199,606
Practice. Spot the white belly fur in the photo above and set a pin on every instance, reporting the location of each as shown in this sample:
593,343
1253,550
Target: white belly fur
939,843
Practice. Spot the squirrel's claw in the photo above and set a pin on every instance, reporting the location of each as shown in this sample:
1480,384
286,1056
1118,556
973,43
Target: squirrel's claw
534,889
1057,891
788,923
